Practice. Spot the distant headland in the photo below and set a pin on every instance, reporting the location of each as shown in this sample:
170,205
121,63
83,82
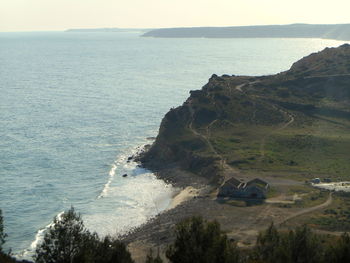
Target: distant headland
324,31
108,29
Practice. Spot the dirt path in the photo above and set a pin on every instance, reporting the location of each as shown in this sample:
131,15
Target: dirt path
190,126
263,140
309,210
239,87
223,164
228,170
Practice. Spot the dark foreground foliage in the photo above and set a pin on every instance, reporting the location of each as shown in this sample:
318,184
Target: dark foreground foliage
203,242
68,241
300,245
196,241
2,234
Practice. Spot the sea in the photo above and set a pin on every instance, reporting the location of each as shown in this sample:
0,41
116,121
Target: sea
75,106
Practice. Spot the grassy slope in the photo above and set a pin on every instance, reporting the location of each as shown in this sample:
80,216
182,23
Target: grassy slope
244,119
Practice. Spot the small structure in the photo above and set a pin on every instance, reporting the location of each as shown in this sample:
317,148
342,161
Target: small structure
253,189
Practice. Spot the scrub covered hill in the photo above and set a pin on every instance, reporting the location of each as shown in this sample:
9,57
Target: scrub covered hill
295,123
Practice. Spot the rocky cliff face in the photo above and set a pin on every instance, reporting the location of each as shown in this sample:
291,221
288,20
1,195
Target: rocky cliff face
190,136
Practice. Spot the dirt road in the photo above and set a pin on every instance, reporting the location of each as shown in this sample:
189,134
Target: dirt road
309,209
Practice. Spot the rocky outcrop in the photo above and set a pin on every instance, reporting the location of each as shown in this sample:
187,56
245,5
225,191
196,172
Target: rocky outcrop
185,136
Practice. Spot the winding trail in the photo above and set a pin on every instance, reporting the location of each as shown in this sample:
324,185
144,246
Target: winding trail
263,140
266,212
228,170
206,137
190,126
252,228
309,209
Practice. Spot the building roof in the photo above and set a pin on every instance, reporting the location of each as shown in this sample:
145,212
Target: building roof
233,182
258,182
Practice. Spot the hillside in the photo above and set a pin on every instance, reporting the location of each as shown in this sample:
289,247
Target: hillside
335,31
293,123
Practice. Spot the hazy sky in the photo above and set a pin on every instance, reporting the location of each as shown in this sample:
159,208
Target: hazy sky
28,15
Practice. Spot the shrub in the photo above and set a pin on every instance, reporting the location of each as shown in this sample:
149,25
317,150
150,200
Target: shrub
2,234
340,251
300,245
68,241
202,242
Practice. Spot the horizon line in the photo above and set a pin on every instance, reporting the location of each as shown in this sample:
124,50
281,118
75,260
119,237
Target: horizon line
153,28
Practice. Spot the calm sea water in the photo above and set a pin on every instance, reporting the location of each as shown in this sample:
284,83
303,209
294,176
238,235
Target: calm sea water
74,106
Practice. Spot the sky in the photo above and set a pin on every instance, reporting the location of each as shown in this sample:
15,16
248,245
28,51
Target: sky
47,15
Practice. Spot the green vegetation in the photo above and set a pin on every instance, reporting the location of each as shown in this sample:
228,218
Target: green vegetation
202,242
295,124
320,150
69,241
5,257
196,241
300,245
340,251
2,234
334,218
272,192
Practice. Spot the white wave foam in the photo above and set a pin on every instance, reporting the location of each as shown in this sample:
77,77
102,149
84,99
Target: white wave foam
129,205
121,163
39,237
110,179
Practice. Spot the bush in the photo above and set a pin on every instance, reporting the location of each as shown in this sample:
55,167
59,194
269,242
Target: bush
68,241
2,234
340,251
202,242
300,246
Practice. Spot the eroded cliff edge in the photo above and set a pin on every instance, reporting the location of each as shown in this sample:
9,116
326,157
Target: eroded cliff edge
234,122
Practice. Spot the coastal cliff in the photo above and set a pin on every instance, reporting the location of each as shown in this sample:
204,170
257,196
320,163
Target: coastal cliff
267,123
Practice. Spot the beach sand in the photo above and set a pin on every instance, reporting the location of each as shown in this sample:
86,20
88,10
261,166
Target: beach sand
186,194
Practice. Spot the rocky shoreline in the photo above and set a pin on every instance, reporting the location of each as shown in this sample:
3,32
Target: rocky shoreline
221,131
158,232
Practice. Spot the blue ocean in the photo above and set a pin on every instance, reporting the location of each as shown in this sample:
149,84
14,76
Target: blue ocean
75,106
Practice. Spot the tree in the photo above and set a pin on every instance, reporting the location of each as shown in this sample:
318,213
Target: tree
63,240
299,246
305,246
340,251
267,243
68,241
2,234
202,242
107,250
